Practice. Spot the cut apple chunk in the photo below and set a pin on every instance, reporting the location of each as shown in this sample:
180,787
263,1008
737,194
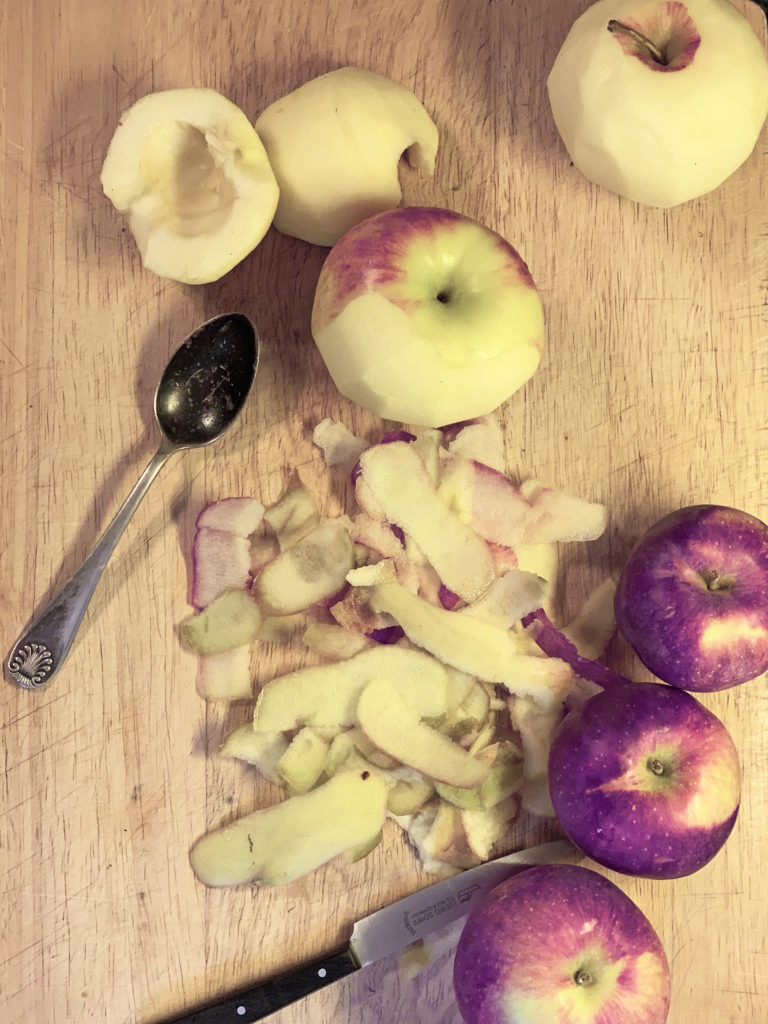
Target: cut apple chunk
294,515
292,838
304,761
409,791
326,696
505,778
232,620
402,489
313,570
335,144
488,829
261,749
226,676
395,728
193,177
334,642
340,447
480,648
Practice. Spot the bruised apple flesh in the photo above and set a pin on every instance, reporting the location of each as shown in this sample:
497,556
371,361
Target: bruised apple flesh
426,316
335,144
660,101
189,171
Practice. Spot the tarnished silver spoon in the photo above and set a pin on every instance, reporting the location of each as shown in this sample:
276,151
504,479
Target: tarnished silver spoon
200,394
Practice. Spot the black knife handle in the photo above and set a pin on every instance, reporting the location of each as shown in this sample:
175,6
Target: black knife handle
260,1000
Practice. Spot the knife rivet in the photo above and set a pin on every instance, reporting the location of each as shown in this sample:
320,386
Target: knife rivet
241,1011
321,973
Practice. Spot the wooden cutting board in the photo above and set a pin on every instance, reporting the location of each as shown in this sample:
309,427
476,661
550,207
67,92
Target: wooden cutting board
652,394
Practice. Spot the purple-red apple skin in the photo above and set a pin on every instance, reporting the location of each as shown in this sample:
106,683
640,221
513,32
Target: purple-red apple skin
372,254
614,806
692,598
522,947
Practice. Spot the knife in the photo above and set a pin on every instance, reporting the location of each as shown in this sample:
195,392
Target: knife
382,933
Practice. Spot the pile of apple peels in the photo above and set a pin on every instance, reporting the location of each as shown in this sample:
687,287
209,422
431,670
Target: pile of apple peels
432,705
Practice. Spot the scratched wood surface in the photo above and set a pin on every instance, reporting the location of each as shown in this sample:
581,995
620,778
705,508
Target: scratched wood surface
652,394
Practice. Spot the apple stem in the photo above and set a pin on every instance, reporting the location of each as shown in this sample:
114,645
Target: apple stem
584,978
656,766
618,28
713,580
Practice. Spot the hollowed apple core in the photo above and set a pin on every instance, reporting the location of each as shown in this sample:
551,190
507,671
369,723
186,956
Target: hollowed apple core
664,38
177,165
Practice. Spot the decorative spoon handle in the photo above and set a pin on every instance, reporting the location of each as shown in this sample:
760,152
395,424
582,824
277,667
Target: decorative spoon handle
40,651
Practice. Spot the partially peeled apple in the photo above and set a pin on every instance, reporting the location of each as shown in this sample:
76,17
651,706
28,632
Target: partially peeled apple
189,171
660,101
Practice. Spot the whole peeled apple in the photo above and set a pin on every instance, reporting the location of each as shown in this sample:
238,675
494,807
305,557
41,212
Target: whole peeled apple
426,316
660,101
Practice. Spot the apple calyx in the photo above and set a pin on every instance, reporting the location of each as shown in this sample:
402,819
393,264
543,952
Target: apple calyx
665,38
584,978
619,28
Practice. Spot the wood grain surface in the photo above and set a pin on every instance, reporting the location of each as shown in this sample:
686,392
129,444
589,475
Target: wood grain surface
652,394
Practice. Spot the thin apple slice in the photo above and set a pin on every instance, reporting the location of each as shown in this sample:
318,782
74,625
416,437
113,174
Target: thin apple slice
509,598
241,516
488,829
557,516
536,726
394,727
340,447
232,620
221,560
261,749
311,571
402,488
505,778
226,676
280,843
409,792
294,515
592,627
326,696
304,761
334,642
480,648
481,440
446,840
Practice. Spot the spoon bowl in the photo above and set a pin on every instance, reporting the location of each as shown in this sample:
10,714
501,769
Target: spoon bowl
199,396
207,381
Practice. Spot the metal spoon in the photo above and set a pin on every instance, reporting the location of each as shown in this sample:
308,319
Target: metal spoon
200,394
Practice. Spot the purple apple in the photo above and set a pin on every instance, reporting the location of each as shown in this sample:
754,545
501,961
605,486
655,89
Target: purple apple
645,780
692,598
556,944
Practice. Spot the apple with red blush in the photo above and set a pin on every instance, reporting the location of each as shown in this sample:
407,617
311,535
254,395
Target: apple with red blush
560,943
426,316
692,598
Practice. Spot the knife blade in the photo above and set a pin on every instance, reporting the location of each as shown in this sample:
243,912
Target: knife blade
376,936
